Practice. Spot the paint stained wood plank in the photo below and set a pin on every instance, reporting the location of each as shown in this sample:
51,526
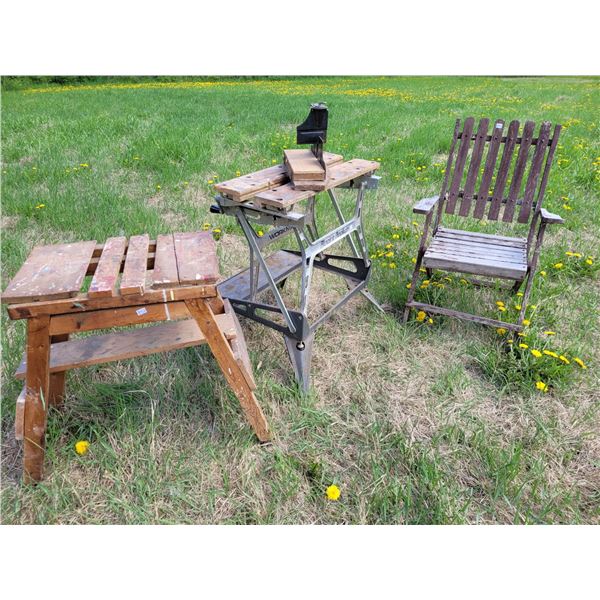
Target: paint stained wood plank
196,255
501,178
82,303
459,166
118,317
106,274
128,344
133,280
517,178
285,196
535,172
247,186
486,236
165,263
239,347
20,415
50,272
473,172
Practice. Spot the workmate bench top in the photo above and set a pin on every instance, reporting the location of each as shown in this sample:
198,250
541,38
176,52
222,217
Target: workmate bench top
272,186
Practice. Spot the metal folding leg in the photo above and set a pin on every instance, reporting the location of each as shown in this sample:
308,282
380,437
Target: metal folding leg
269,273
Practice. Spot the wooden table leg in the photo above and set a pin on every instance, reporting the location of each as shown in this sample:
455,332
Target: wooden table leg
202,312
37,382
56,394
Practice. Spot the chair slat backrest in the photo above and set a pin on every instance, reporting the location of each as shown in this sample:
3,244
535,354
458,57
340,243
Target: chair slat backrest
508,179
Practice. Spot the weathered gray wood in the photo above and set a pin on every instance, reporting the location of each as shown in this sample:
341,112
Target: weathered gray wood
535,172
488,171
476,249
448,312
514,241
498,193
459,166
466,263
440,206
425,205
473,172
517,177
548,217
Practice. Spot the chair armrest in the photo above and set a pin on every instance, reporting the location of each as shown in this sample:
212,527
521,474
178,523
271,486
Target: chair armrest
548,217
425,206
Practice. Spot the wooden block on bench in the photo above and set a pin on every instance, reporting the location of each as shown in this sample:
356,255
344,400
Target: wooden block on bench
303,165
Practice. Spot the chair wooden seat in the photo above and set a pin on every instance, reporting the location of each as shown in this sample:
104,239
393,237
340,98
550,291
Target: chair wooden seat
477,253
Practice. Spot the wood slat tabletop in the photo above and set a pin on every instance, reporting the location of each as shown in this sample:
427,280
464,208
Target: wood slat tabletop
50,272
56,274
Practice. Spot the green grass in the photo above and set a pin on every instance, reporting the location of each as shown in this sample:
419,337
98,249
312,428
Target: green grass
427,423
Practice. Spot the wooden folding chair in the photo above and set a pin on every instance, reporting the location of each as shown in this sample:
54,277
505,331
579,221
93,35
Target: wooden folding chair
491,256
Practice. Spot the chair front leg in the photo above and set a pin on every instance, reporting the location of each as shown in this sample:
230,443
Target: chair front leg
531,271
415,277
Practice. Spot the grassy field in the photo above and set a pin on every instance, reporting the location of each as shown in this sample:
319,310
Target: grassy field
427,423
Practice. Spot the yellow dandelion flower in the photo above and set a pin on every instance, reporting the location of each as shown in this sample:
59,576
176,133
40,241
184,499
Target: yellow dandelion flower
519,294
421,316
499,303
82,446
333,492
260,233
502,308
550,353
205,226
517,307
501,331
521,334
158,186
536,353
526,322
543,273
549,332
464,282
564,359
540,385
413,260
510,341
395,236
524,346
389,254
238,173
392,265
389,246
430,321
408,286
580,362
210,181
38,206
589,261
558,265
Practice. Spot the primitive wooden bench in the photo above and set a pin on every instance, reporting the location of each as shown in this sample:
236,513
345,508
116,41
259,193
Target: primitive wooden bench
133,282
